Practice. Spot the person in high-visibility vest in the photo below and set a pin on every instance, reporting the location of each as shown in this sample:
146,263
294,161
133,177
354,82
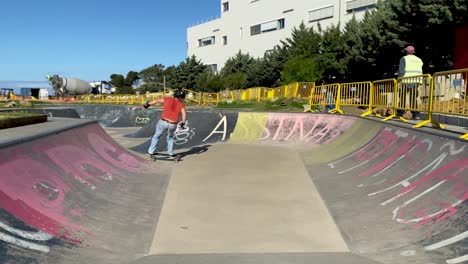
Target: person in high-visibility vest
410,65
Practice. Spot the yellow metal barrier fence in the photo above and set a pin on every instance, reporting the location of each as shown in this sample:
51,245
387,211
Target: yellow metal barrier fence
264,94
210,98
383,96
324,96
291,90
304,89
237,94
246,94
118,99
354,94
450,93
251,94
152,96
193,96
225,95
444,93
279,91
415,93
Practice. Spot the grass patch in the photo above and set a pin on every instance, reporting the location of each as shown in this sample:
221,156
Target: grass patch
16,119
268,105
238,104
21,104
8,115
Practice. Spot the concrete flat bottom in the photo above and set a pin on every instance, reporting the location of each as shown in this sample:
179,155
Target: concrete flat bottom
233,200
293,258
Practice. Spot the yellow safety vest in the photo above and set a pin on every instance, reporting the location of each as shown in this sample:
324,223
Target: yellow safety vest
413,67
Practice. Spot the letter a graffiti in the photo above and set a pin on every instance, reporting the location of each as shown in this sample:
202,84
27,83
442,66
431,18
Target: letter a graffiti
215,130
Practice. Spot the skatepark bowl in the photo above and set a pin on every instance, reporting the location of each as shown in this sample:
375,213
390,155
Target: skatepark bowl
251,188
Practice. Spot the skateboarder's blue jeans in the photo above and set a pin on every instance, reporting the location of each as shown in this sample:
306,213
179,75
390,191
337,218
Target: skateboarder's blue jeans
162,126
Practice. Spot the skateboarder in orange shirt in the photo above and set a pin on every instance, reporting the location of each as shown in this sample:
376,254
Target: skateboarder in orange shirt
172,107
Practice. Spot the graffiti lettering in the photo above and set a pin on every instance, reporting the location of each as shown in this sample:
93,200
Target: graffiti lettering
304,128
401,153
28,199
142,120
427,169
405,182
45,182
36,236
433,190
447,242
49,191
23,243
452,173
84,167
184,137
369,145
384,142
223,122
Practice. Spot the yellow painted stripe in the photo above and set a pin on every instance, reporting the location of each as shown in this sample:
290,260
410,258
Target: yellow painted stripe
249,128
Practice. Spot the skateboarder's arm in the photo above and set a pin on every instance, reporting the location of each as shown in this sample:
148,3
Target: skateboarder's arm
157,101
184,115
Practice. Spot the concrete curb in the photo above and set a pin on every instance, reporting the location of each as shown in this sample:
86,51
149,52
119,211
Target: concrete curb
9,141
22,121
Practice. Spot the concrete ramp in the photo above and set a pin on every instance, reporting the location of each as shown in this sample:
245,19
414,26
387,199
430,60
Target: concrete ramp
276,188
75,196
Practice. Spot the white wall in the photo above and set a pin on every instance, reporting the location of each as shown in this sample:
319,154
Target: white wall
243,14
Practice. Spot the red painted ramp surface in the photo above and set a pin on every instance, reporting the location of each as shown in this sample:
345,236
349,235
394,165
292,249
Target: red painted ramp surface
399,198
72,194
397,195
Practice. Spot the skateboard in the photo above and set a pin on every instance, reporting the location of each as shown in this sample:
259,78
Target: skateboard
156,157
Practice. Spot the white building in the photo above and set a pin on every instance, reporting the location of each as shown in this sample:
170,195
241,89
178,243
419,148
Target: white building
257,26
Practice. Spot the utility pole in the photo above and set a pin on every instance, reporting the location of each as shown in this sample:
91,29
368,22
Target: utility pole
164,83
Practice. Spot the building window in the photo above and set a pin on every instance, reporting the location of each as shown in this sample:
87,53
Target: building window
213,68
267,27
224,40
268,52
321,13
225,6
206,41
281,23
360,5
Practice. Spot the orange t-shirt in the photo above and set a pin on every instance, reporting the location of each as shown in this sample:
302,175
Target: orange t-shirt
171,109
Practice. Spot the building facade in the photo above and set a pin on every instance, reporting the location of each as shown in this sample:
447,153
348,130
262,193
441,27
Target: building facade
257,26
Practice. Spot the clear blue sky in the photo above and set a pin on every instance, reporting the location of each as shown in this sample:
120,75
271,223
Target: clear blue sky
91,39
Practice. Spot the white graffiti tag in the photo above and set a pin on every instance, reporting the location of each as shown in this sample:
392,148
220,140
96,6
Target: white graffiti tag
37,236
184,137
142,120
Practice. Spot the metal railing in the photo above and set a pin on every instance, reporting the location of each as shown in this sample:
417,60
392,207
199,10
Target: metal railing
326,96
443,93
383,96
354,94
210,98
193,96
450,90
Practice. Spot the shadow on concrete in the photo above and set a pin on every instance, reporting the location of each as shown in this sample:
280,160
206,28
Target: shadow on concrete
192,151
